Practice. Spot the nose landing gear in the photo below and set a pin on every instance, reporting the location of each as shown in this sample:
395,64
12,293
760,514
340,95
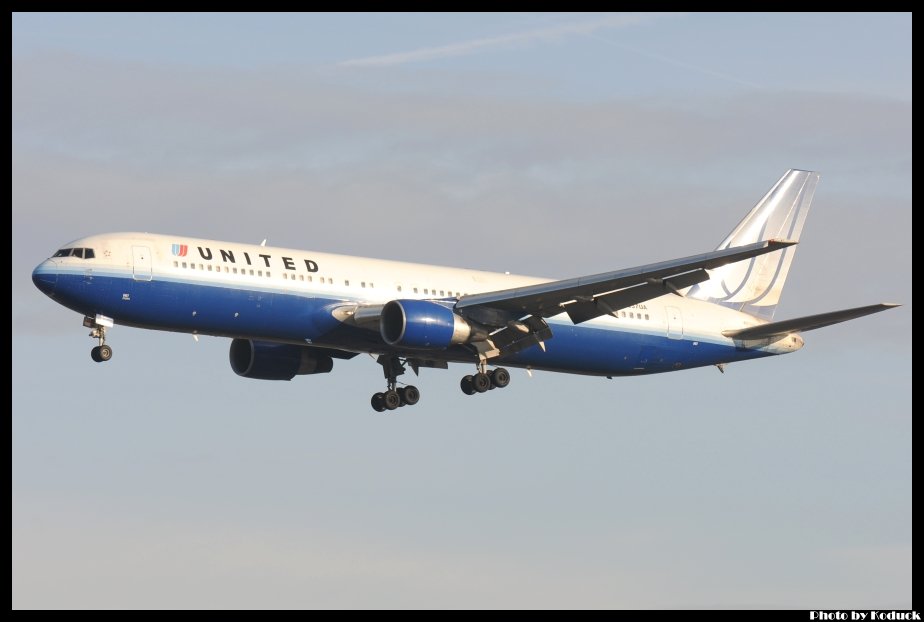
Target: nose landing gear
98,326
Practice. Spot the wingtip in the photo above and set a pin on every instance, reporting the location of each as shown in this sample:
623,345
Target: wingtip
781,243
890,305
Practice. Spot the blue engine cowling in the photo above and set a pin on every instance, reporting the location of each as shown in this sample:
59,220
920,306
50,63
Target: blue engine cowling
265,360
422,324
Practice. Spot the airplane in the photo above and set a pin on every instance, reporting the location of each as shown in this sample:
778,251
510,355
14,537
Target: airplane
291,312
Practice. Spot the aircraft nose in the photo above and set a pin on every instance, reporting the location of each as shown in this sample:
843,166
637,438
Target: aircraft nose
45,276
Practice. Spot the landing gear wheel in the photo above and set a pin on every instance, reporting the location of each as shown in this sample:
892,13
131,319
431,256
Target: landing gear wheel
466,385
378,402
500,378
105,353
391,399
94,354
409,395
481,382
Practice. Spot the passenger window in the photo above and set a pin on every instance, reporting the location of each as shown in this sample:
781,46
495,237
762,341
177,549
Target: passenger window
251,272
441,293
300,278
267,274
646,316
346,282
362,284
176,264
399,288
235,269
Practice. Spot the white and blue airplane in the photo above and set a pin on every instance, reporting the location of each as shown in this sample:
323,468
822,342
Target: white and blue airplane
291,312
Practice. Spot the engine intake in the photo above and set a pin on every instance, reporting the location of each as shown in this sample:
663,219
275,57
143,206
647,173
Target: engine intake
265,360
422,324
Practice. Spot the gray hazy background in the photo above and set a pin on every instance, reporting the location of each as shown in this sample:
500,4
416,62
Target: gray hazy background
553,145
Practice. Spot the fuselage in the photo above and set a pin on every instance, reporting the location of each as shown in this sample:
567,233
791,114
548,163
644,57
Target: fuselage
227,289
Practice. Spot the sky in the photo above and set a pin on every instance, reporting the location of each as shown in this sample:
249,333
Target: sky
552,145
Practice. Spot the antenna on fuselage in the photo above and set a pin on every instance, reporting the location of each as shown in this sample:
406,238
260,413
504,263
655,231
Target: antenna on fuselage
263,243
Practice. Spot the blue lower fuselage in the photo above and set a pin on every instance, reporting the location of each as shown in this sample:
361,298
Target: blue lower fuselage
273,315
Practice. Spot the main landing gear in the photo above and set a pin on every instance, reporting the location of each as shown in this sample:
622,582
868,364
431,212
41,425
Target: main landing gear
394,397
98,326
485,380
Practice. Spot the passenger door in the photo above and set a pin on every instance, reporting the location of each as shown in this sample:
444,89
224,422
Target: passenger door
141,263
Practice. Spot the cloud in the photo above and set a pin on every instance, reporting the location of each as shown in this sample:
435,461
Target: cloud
474,46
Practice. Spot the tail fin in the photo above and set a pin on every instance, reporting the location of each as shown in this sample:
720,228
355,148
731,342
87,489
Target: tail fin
754,286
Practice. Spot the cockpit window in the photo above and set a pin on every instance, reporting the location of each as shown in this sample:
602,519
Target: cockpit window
83,253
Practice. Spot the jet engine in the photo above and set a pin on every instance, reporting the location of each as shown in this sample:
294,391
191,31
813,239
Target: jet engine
265,360
422,324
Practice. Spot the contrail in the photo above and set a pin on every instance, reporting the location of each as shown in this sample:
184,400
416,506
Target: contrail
465,48
673,61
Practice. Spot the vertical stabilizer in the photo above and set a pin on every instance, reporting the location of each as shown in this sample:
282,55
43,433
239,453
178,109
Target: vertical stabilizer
754,286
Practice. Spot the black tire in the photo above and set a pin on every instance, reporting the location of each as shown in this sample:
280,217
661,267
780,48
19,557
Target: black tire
105,353
410,395
391,400
481,382
94,354
466,385
378,402
500,378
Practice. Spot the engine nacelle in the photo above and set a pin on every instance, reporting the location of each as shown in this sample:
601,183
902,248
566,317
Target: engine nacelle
265,360
422,324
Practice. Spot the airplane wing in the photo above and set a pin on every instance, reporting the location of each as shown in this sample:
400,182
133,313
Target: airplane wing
515,318
809,322
584,298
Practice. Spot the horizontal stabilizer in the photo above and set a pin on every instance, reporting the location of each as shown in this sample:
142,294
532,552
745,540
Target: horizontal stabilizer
809,322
